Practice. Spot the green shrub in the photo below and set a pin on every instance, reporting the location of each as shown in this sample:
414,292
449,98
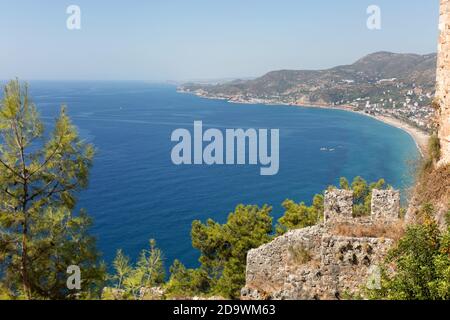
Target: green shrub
434,148
420,263
299,254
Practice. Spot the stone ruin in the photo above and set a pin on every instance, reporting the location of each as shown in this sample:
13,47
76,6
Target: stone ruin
338,204
319,263
385,204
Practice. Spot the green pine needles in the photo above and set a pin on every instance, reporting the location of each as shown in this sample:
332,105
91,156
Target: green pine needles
40,236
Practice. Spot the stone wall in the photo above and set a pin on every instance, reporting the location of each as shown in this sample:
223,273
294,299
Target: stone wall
385,204
338,204
443,80
350,261
269,265
317,263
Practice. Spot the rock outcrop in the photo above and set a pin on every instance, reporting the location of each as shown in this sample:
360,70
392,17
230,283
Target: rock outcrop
433,184
443,81
324,261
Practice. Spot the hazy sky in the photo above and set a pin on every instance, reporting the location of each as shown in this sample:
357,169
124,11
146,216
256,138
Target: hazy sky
202,39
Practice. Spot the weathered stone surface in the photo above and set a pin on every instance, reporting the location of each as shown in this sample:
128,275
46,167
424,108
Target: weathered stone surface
314,262
443,81
153,293
341,267
265,263
385,204
338,204
351,260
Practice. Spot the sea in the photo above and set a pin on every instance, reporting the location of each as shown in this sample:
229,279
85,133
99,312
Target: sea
136,193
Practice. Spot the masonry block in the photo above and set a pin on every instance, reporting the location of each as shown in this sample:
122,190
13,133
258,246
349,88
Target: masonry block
385,204
338,204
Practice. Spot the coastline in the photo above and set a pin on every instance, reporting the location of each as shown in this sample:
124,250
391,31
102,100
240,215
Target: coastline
419,136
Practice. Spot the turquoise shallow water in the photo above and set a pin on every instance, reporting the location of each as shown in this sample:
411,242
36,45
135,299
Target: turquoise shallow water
136,193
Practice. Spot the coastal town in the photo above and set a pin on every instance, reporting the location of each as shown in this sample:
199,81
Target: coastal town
410,104
397,89
413,105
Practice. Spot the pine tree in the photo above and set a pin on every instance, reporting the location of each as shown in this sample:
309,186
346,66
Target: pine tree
122,267
185,282
39,178
151,265
224,247
148,273
297,216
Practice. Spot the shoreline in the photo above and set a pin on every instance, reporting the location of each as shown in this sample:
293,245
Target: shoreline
419,136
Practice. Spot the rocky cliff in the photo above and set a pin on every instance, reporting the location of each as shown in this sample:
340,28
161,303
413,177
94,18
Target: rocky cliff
443,81
433,183
333,260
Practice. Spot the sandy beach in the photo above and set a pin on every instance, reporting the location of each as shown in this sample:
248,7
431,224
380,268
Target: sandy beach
420,137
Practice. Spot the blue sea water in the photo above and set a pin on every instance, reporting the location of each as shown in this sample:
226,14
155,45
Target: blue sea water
136,193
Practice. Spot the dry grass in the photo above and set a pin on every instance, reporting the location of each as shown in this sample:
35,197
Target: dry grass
433,183
434,186
393,230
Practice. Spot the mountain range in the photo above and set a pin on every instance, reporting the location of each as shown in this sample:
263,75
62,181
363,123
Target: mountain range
367,79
